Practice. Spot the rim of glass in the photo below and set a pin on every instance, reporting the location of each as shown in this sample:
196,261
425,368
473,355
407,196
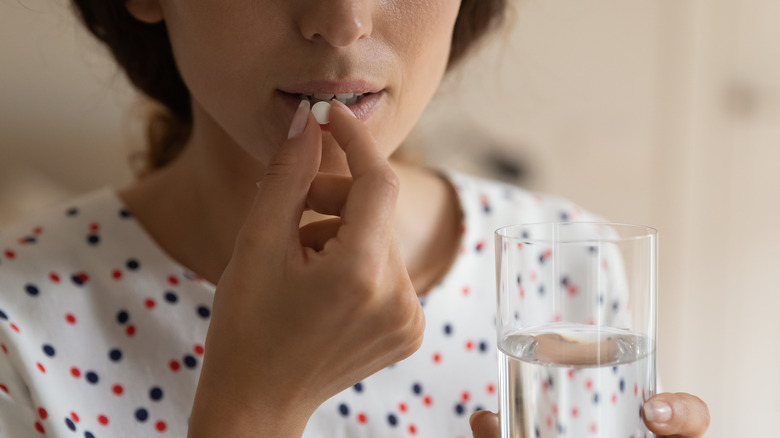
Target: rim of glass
643,231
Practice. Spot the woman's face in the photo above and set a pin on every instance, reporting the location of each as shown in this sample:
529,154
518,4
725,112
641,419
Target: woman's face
246,63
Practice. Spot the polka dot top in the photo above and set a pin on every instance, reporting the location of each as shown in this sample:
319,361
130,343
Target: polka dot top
102,333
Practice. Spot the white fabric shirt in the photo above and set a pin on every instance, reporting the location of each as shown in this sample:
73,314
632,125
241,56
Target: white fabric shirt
102,333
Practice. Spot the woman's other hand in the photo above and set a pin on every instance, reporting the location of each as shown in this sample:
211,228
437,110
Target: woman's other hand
677,415
300,314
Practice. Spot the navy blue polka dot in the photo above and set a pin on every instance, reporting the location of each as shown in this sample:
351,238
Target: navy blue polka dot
541,289
115,354
417,388
92,377
125,213
479,408
343,409
525,235
73,211
88,434
204,311
122,316
190,361
519,279
49,350
615,305
564,216
447,329
70,424
536,432
3,315
132,264
622,385
141,414
93,239
77,280
31,290
483,346
459,409
565,280
392,420
596,398
156,393
358,387
171,297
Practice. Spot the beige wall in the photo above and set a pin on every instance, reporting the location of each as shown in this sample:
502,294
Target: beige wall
662,113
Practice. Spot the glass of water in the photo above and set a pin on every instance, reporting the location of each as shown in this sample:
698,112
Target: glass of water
576,326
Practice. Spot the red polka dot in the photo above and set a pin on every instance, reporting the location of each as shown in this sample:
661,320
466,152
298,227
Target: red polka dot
198,349
102,419
116,274
149,303
402,407
636,389
469,345
549,422
37,230
42,413
480,245
83,277
70,318
413,429
74,417
428,400
160,426
174,365
130,330
117,389
39,427
589,384
14,327
41,367
10,254
173,280
94,226
5,349
491,388
554,409
572,289
570,373
465,396
593,428
614,399
54,277
437,358
575,412
3,388
362,418
466,290
75,372
522,292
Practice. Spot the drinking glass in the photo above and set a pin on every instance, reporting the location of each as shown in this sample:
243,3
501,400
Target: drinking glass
576,326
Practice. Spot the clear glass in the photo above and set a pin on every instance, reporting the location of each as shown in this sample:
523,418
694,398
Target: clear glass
576,326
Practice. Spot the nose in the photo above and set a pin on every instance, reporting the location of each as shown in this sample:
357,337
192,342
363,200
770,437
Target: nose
336,22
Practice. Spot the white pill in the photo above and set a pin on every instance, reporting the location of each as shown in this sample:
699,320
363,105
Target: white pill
321,111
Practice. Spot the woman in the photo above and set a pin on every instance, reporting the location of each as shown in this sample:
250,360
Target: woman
218,295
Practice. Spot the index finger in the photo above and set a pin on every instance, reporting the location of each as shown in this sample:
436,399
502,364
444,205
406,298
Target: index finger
677,415
370,206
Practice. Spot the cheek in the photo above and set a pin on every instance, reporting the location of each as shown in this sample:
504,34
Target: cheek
422,36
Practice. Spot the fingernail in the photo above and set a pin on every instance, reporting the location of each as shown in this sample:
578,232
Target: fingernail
657,411
339,103
299,119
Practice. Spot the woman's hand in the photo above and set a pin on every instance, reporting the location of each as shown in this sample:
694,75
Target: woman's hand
301,314
668,415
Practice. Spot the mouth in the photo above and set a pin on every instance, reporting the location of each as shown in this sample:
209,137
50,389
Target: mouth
361,102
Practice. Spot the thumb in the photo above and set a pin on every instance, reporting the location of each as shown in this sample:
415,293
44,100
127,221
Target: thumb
484,424
275,216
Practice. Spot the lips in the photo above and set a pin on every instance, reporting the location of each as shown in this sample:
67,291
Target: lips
360,96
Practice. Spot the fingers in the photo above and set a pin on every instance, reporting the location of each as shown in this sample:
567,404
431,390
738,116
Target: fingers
328,193
677,415
285,187
315,234
484,424
370,207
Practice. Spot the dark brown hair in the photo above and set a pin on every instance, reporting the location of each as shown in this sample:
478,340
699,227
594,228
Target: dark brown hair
144,52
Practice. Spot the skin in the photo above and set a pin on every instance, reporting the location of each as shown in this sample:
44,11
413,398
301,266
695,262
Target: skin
398,226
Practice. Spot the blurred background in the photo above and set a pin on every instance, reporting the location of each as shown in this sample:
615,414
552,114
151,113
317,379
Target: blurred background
664,113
